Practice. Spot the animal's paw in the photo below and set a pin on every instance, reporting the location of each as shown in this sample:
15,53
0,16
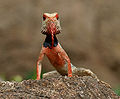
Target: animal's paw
69,75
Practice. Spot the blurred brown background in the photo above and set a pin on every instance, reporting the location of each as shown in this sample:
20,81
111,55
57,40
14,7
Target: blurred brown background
90,35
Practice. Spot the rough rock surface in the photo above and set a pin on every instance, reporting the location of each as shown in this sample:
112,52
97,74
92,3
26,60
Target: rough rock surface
57,88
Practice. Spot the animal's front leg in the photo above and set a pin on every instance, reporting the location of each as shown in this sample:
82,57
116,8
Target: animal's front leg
39,66
69,68
66,58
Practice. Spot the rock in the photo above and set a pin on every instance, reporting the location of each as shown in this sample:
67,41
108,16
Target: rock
61,87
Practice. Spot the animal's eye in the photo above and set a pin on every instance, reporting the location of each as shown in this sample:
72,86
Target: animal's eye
57,17
44,17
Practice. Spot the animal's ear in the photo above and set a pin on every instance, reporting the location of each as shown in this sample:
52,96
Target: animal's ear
57,16
44,17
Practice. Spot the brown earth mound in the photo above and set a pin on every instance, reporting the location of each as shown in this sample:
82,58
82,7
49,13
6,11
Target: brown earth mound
57,88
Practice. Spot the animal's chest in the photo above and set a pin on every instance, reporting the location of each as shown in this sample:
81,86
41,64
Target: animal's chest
56,58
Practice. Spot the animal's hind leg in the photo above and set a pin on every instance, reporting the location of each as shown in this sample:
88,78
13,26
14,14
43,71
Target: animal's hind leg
51,74
75,71
83,72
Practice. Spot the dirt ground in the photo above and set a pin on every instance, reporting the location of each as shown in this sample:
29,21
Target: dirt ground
90,35
57,87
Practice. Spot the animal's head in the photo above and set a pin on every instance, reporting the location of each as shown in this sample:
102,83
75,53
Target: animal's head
50,24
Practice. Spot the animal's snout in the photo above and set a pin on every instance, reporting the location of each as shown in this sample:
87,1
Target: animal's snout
50,24
51,27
